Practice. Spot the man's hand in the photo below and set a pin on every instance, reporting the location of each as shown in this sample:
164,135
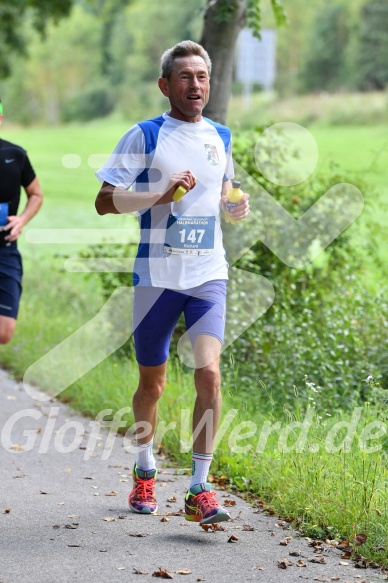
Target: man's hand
15,227
185,179
241,210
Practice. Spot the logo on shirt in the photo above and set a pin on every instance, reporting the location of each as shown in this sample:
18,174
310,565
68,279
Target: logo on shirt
212,154
9,161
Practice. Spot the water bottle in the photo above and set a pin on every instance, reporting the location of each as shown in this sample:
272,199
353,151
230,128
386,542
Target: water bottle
234,195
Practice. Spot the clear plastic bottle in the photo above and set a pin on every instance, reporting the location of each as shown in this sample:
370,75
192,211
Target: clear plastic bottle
234,195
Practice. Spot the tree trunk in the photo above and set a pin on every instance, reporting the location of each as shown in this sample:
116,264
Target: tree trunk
219,39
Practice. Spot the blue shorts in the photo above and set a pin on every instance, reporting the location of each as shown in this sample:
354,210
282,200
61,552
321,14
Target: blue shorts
11,272
156,312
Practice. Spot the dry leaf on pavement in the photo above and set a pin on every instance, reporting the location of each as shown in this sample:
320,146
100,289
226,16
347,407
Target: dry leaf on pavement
164,573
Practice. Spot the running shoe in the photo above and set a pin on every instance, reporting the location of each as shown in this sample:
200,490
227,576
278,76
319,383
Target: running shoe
142,498
201,505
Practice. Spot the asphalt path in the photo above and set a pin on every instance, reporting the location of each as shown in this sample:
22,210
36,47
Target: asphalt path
64,515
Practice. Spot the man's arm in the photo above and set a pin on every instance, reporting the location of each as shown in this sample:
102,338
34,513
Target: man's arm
34,202
115,200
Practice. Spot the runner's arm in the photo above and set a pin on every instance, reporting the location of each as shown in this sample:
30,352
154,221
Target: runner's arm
115,200
34,202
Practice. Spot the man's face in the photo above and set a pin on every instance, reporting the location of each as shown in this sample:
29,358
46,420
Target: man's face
187,88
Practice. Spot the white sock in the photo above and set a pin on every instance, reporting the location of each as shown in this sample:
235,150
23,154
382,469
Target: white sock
200,467
144,457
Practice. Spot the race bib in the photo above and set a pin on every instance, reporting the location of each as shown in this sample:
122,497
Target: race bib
190,235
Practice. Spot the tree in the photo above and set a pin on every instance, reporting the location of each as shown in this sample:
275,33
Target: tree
325,61
223,21
12,18
373,46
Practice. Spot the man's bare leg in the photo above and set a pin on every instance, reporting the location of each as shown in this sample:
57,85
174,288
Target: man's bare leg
201,504
145,409
145,400
7,328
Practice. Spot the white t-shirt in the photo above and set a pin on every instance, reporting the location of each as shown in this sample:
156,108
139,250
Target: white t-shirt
180,242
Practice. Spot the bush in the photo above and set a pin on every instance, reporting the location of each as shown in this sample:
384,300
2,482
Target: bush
90,104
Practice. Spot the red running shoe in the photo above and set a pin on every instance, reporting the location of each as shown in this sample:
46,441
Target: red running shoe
201,505
142,498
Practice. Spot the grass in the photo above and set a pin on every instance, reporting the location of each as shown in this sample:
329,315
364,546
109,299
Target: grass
331,494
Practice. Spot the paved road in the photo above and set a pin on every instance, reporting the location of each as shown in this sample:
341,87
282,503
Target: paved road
64,515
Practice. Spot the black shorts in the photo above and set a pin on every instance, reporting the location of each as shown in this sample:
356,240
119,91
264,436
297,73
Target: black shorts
11,272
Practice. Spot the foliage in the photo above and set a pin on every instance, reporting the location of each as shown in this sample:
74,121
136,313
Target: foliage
254,15
98,49
12,19
322,324
323,67
372,55
90,104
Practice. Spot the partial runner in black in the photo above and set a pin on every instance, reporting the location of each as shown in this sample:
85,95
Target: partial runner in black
15,172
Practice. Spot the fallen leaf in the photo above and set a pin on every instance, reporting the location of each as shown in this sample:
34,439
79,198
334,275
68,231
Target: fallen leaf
246,527
259,567
180,512
73,516
284,563
109,519
319,560
120,568
321,579
183,572
229,502
343,563
300,563
72,526
285,541
122,516
112,493
75,546
172,499
343,544
164,573
360,539
56,526
164,519
233,539
139,572
140,534
103,550
295,553
7,511
17,447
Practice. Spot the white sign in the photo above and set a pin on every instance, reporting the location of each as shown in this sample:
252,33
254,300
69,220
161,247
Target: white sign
256,59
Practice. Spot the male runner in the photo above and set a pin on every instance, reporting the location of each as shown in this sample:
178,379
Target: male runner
180,264
15,171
